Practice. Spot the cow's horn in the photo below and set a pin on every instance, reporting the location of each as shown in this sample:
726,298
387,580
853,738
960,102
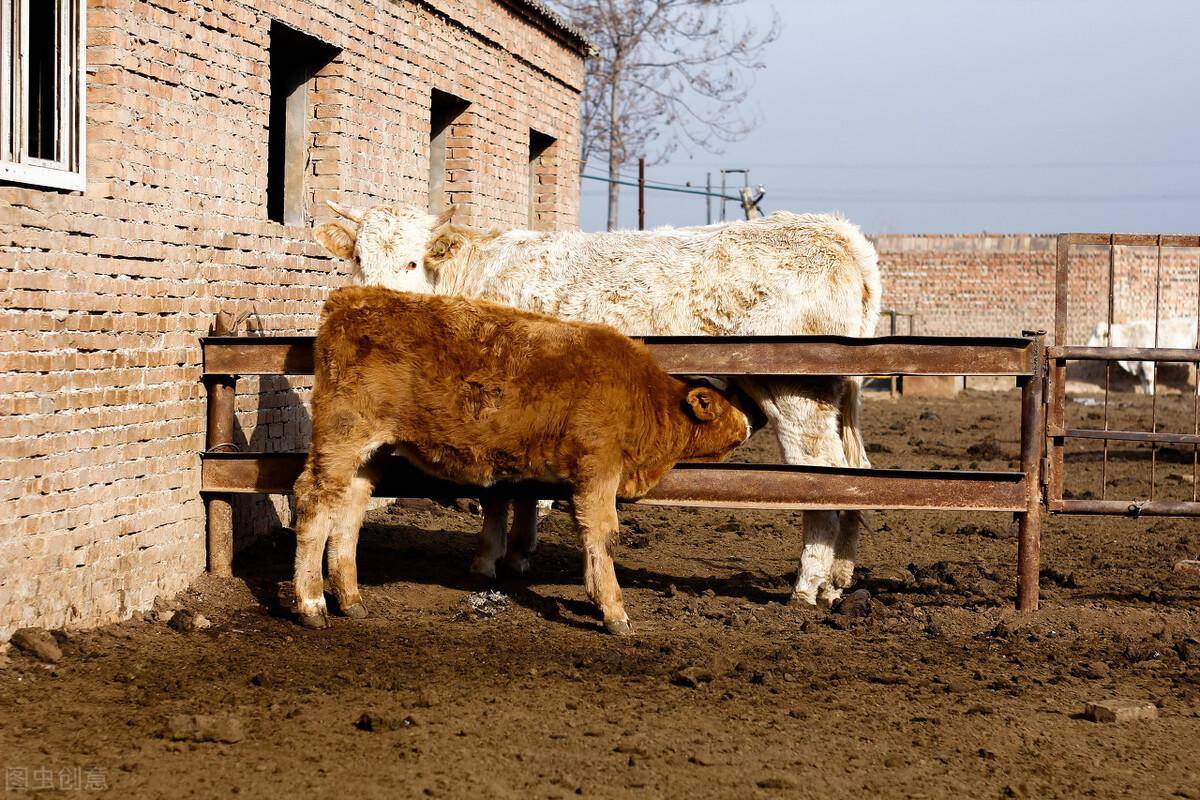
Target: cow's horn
349,212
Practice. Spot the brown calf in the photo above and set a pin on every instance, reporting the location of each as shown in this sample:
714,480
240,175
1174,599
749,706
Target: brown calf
481,393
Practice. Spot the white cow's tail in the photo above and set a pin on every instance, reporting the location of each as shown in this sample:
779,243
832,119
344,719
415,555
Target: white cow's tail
863,255
867,259
852,441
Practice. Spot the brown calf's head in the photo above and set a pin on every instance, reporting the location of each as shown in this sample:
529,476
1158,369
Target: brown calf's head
719,425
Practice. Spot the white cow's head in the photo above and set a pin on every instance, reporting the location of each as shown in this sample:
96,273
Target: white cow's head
387,243
1099,337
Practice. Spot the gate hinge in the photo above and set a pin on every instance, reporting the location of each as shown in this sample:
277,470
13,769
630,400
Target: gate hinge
1045,471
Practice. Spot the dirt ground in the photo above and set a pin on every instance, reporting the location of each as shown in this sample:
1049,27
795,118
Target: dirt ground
940,690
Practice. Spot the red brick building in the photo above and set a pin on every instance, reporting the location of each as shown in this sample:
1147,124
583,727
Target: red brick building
163,159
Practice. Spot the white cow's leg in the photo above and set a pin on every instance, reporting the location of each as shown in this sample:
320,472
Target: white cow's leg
522,536
491,538
845,551
814,580
805,415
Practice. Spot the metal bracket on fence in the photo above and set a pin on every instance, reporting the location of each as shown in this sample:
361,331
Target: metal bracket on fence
1135,508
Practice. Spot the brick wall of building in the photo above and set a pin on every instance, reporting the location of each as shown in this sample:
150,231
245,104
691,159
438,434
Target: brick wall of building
104,293
999,285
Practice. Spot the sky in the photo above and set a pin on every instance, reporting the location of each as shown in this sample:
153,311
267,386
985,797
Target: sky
958,116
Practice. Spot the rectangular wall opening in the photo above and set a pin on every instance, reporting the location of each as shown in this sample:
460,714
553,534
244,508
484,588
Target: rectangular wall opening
296,58
444,111
541,177
45,58
42,66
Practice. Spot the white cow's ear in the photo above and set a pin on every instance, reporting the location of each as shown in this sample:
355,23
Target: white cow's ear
443,248
337,238
349,212
445,216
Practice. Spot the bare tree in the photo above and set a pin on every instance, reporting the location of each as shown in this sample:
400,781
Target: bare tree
669,74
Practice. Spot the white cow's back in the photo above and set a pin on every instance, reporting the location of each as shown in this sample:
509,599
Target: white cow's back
785,274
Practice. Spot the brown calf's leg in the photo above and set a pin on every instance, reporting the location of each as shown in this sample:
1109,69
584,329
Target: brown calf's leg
522,536
595,509
316,509
323,504
341,555
491,538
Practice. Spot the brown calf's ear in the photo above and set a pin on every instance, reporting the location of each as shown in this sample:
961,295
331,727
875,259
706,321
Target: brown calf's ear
337,238
705,403
446,215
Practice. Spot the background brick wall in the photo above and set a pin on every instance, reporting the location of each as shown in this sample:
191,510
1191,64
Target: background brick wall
105,293
999,285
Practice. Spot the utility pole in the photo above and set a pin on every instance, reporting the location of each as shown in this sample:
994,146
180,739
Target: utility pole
642,194
746,183
708,199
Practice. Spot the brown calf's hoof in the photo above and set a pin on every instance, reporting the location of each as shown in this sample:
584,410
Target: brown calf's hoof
620,627
314,620
356,611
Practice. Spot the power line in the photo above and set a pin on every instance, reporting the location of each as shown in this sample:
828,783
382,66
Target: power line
629,177
1011,165
976,198
662,187
978,165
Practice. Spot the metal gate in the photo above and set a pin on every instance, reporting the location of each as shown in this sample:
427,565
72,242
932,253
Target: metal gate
1142,291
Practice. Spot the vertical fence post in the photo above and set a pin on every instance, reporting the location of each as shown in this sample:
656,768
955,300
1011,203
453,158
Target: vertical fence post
222,390
892,332
1029,521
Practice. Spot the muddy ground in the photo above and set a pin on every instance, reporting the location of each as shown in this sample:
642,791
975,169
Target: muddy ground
940,690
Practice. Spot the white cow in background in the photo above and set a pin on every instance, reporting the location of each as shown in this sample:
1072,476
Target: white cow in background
1177,332
782,274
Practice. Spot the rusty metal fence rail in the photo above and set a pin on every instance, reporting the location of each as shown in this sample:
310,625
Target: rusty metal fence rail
225,471
1058,429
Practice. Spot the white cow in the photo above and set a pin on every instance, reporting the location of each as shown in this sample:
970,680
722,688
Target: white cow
783,274
1177,332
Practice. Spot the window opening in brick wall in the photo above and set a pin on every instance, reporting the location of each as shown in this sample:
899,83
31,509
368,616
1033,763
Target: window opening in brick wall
444,111
541,180
42,68
296,59
43,82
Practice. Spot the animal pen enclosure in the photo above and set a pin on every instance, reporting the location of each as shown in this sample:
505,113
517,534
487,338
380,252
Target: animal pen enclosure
1151,284
226,472
1115,279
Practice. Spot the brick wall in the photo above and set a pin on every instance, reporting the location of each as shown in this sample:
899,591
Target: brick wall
104,293
999,285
